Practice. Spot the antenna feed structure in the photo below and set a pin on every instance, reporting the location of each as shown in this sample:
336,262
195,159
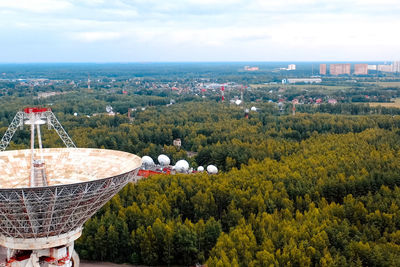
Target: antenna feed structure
47,194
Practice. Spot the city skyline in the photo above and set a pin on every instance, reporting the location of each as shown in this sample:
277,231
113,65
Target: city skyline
198,31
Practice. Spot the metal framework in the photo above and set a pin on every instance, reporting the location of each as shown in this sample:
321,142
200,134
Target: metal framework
22,116
53,122
15,123
39,212
39,223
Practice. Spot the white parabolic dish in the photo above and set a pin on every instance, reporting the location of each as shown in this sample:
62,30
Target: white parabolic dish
163,160
182,166
80,181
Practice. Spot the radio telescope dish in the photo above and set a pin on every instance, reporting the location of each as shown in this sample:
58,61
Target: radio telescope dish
211,169
147,162
109,108
182,166
47,194
163,160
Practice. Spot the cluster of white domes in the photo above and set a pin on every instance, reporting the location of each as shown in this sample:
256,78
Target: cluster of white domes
181,166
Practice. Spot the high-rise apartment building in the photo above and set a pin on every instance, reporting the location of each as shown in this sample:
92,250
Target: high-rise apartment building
385,68
396,66
322,69
360,69
338,69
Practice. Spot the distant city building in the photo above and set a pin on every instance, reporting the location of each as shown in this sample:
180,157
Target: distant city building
360,69
371,67
291,67
322,69
338,69
396,66
248,68
385,68
302,80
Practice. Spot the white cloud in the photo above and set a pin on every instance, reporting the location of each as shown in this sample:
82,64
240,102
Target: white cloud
95,36
36,6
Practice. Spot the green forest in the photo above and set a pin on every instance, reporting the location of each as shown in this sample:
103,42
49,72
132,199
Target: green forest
321,188
332,200
305,190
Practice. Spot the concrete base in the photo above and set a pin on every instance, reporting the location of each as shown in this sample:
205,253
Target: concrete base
40,243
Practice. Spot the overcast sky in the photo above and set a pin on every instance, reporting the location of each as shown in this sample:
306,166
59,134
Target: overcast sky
198,30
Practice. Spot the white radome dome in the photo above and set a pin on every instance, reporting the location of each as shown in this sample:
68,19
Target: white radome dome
253,109
211,169
147,161
200,169
238,102
182,166
163,160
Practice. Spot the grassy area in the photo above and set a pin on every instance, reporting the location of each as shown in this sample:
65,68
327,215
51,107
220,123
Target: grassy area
395,104
385,84
301,86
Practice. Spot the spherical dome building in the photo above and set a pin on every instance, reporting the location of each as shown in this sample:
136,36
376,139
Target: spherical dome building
163,160
147,162
211,169
182,166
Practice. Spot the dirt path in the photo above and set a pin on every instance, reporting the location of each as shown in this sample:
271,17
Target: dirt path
83,263
104,264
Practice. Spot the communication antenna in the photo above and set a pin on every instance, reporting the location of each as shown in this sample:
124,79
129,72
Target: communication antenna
109,109
88,82
47,194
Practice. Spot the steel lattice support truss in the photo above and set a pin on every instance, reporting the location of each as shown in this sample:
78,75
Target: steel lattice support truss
51,120
16,122
55,210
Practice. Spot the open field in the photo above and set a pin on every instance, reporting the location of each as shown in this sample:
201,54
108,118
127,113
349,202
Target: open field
300,86
385,84
395,104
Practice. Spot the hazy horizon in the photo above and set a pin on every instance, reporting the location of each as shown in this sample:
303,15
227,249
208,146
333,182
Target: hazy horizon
201,62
